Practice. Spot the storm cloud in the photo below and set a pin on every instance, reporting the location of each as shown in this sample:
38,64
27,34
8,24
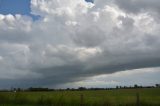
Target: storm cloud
74,39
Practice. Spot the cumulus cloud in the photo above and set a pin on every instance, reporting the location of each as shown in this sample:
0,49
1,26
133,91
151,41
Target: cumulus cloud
75,39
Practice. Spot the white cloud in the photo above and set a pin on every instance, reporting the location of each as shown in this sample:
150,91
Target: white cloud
75,39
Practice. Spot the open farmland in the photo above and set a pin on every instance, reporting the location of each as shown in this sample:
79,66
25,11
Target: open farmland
120,97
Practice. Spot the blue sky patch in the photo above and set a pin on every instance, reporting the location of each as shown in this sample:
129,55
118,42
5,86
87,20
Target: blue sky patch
18,7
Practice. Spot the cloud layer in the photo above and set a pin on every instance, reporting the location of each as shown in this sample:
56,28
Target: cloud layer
75,39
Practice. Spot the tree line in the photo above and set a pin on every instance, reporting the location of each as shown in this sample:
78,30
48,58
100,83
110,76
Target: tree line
76,89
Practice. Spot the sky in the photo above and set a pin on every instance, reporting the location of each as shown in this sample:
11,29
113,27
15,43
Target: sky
72,43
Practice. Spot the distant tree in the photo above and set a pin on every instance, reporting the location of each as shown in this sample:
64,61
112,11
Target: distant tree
82,88
135,86
117,87
68,89
157,85
14,90
38,89
125,86
19,89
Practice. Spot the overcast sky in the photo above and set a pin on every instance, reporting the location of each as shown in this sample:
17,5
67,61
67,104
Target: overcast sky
71,43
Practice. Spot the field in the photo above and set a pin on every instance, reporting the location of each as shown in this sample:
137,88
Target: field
120,97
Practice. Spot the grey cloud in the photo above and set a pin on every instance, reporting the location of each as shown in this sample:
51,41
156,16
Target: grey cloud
137,6
89,38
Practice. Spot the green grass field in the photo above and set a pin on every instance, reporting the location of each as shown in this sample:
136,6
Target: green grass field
120,97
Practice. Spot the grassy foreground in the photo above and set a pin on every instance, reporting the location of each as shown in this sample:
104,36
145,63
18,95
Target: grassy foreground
120,97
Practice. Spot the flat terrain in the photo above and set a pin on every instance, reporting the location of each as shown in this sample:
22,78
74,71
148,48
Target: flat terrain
120,97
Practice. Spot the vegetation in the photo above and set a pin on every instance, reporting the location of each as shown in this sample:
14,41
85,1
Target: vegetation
114,97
